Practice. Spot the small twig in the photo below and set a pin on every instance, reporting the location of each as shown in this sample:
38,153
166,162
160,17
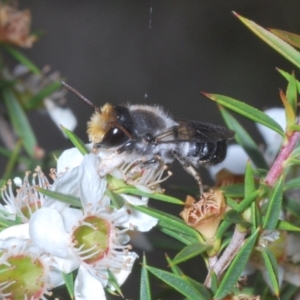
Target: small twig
228,255
283,155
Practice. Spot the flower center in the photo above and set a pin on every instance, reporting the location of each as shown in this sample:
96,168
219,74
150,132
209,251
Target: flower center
92,238
22,277
30,207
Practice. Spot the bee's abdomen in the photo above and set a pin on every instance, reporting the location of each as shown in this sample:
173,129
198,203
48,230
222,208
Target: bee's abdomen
206,153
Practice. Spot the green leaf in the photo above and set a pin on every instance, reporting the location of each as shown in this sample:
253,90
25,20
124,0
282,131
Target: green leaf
274,206
272,268
12,160
145,291
180,236
249,180
214,282
48,90
293,183
76,141
245,203
291,92
272,40
236,267
114,282
234,190
117,200
22,59
189,252
234,217
284,225
291,38
244,139
174,268
287,76
69,282
232,203
155,196
168,221
180,284
20,121
69,199
247,111
293,207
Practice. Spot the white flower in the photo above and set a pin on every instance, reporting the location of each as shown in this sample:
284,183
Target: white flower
88,239
27,200
26,272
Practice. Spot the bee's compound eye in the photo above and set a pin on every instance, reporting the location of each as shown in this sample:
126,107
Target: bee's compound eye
114,137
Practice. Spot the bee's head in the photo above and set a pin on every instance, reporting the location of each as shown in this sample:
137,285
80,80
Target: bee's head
110,126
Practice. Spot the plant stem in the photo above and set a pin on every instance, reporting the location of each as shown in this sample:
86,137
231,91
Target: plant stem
283,155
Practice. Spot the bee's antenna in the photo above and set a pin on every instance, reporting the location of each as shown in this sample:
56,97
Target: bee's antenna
88,102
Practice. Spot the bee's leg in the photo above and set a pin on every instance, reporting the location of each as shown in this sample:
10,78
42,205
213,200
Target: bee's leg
190,169
150,162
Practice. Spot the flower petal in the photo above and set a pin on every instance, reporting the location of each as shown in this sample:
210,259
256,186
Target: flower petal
92,186
47,230
20,231
88,287
137,220
61,116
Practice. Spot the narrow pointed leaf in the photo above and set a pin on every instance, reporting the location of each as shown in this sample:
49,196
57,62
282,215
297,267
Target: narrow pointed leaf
116,199
249,180
13,158
287,76
284,225
272,269
247,111
145,291
236,267
289,110
179,236
179,283
69,199
168,221
293,207
189,252
114,282
234,217
272,40
155,196
274,206
69,282
291,38
174,268
293,183
244,139
37,100
76,141
17,55
20,121
292,92
214,282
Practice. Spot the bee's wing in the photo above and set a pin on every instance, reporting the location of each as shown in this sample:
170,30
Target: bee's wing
187,131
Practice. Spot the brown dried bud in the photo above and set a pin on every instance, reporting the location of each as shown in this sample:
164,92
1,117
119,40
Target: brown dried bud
15,27
206,214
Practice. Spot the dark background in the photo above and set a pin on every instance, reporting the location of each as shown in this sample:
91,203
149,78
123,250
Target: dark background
107,51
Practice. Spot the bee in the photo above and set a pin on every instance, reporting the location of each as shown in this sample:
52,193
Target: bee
148,134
